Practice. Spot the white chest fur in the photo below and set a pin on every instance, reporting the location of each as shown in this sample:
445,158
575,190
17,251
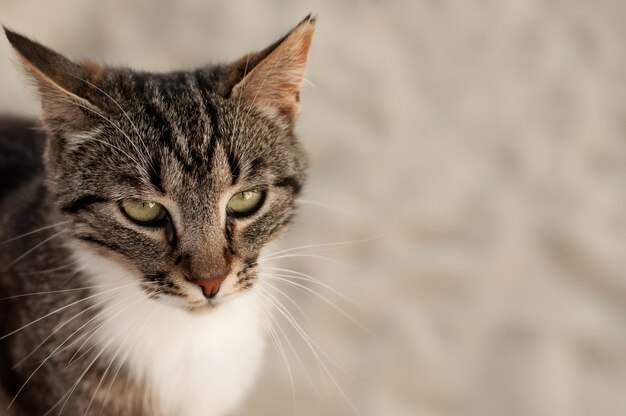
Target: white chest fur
195,364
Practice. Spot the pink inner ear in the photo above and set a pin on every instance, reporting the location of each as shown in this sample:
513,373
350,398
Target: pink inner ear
274,84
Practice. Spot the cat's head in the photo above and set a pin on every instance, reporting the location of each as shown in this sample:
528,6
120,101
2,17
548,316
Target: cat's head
180,177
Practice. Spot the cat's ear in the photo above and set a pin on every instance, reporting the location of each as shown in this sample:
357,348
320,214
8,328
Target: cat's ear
64,85
272,78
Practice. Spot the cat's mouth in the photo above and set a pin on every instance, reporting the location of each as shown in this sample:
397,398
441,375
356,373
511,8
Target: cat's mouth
208,305
199,295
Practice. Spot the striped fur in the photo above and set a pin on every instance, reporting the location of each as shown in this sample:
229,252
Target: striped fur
189,141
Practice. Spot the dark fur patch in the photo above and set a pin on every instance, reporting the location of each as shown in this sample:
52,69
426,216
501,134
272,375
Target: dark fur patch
290,182
105,244
170,232
21,149
155,176
82,203
235,168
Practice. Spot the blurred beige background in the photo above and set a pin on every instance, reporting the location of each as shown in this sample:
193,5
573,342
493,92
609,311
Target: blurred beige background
484,142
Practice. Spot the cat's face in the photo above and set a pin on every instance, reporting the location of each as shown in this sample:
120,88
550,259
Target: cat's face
183,177
190,196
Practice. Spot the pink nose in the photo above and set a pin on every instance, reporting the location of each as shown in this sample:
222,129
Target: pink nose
210,286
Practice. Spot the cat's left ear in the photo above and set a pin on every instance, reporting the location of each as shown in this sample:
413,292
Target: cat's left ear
272,78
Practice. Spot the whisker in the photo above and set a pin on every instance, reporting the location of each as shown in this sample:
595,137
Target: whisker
58,328
281,350
32,249
310,343
303,276
54,312
325,246
22,295
33,232
306,373
73,388
308,82
95,330
125,357
51,270
293,302
90,334
306,336
49,356
306,320
128,333
70,277
314,256
322,297
329,207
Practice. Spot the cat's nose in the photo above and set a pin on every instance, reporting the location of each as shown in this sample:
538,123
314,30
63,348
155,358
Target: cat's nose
209,285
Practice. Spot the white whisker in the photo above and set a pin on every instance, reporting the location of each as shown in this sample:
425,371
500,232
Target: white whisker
33,249
270,321
128,333
54,312
322,297
329,207
58,328
93,318
320,246
94,331
59,291
73,388
306,337
303,276
293,349
310,343
51,270
124,358
314,256
33,232
50,355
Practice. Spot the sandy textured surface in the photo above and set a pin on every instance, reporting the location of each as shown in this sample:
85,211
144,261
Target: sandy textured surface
485,141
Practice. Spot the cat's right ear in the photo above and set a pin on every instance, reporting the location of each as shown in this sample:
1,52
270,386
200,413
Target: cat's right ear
64,85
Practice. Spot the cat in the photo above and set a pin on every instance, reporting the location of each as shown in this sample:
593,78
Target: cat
131,228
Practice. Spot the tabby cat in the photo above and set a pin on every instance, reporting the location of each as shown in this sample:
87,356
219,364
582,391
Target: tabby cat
129,257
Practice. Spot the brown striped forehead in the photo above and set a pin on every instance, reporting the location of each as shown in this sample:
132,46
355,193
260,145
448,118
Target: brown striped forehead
186,124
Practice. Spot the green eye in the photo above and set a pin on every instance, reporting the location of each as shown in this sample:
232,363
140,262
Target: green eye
143,212
245,203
